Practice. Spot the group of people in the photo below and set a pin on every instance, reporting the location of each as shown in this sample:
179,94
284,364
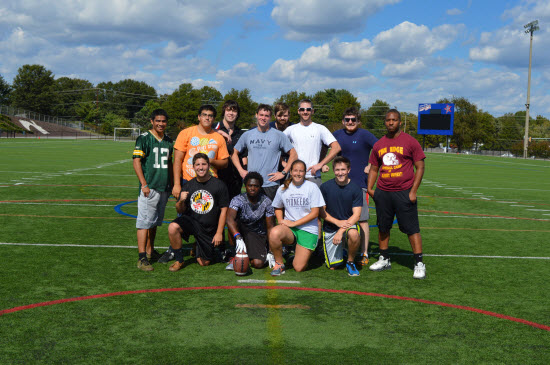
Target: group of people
285,203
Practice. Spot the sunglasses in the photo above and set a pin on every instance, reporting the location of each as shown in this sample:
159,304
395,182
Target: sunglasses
350,119
305,109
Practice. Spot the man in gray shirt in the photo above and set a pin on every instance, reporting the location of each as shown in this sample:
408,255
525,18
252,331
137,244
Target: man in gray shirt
264,146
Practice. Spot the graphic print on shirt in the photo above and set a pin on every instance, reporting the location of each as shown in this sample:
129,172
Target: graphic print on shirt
201,202
201,145
297,201
390,161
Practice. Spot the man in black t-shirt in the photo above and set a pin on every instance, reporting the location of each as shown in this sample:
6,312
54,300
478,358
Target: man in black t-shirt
229,130
202,204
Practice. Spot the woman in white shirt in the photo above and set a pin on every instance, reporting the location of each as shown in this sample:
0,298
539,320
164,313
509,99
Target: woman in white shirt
297,205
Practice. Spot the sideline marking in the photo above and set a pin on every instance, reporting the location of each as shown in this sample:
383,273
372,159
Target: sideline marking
270,281
270,289
64,205
58,216
256,281
481,215
277,306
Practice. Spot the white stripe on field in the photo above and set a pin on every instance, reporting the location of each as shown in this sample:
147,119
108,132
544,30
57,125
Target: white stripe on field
185,248
538,210
462,216
256,281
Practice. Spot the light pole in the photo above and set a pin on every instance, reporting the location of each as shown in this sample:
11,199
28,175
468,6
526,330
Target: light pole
529,28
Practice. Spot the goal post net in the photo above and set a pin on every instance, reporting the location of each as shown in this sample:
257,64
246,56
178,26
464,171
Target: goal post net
125,134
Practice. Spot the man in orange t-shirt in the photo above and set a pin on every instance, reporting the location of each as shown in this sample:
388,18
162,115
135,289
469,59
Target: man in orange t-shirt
200,138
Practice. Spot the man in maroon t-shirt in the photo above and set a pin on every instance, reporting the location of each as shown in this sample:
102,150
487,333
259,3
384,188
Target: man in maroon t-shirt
399,160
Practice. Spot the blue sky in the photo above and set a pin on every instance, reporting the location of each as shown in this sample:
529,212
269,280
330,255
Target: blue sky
403,52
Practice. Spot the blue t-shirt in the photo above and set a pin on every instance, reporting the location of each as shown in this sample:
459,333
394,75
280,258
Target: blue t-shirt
356,147
264,150
340,201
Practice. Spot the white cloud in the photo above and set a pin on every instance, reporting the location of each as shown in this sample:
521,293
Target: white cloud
509,45
105,22
319,19
454,11
408,68
406,39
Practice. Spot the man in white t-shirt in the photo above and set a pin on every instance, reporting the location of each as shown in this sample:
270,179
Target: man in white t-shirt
308,138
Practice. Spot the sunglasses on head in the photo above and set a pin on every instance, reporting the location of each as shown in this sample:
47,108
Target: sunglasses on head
305,109
350,119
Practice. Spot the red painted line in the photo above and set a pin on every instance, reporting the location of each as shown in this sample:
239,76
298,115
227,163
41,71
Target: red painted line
337,291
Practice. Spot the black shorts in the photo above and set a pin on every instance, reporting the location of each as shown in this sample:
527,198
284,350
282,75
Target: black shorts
234,186
190,227
396,203
270,191
256,244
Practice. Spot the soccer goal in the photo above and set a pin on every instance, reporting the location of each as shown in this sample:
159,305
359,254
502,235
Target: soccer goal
125,134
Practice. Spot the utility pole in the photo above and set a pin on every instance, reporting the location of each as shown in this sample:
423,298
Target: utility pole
529,29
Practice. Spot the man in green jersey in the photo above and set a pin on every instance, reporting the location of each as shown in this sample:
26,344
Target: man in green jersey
153,165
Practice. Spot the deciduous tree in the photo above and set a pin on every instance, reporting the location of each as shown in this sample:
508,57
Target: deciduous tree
33,89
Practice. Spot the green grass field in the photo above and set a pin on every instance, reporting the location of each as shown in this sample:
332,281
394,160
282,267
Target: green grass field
485,226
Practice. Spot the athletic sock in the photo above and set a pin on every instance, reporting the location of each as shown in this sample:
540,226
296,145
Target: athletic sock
384,253
178,254
417,257
142,255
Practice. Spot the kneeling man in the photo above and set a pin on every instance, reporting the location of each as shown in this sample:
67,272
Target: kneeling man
250,218
344,201
202,206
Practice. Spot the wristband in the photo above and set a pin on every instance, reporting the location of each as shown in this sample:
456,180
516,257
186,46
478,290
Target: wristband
236,234
145,186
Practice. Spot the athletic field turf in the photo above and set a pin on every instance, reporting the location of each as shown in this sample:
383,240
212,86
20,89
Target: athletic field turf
71,293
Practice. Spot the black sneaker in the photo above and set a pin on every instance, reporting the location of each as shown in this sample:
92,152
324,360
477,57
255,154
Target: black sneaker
155,255
167,256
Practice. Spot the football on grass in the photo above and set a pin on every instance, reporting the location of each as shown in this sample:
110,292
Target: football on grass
241,263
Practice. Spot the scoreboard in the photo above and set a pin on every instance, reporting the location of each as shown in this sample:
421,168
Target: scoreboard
436,119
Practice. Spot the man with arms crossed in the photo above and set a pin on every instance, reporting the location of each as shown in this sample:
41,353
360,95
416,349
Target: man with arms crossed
202,209
344,201
264,146
200,138
356,144
399,159
152,159
308,138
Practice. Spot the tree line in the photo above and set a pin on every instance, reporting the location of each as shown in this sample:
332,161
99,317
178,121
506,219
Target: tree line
128,102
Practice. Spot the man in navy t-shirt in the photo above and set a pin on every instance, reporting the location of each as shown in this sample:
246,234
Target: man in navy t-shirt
344,201
356,145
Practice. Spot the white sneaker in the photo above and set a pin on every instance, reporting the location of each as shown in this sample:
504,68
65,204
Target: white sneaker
419,271
382,264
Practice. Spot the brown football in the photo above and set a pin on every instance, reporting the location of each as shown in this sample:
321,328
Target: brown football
241,264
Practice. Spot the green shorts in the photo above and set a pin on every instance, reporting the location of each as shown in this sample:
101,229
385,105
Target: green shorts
305,239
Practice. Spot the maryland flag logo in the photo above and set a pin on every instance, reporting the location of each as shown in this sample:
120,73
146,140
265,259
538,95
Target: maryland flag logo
202,202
